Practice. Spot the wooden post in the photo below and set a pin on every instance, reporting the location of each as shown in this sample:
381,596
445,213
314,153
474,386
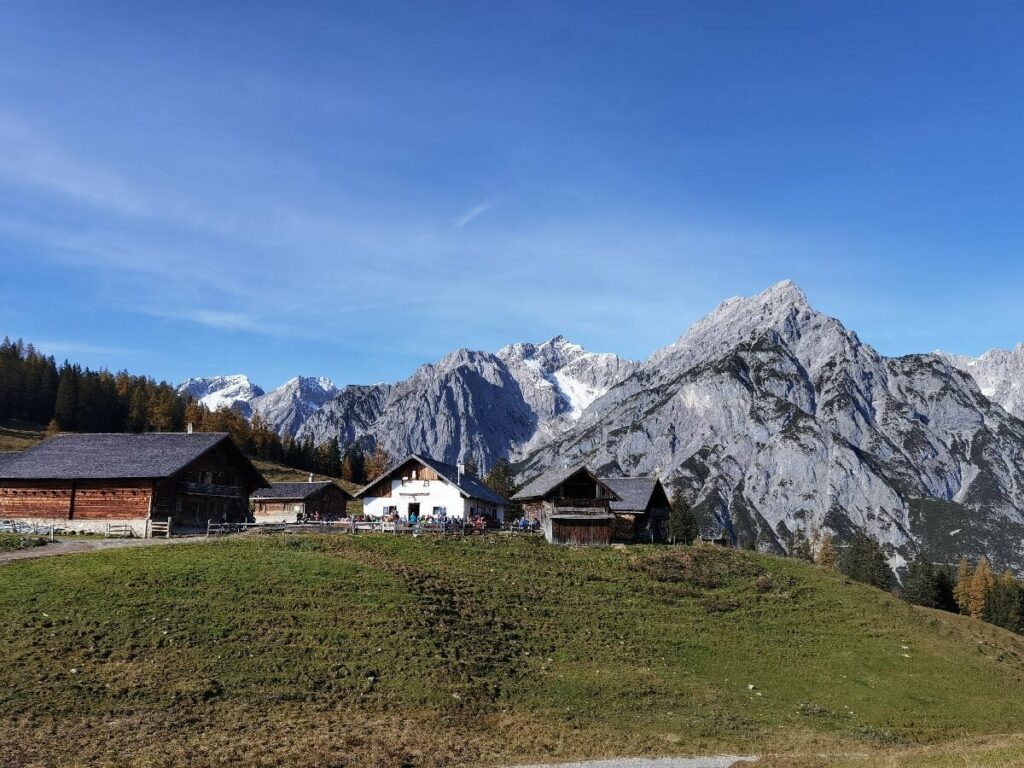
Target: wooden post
207,529
145,529
168,527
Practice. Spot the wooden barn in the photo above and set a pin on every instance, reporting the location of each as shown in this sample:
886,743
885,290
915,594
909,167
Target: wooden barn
573,506
300,502
86,482
641,512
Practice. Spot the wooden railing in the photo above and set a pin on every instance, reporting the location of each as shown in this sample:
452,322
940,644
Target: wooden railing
211,489
595,507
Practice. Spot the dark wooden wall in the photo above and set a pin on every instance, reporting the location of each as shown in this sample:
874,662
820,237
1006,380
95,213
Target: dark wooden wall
581,533
221,466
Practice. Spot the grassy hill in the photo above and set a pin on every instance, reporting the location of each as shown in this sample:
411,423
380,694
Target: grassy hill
383,650
18,435
281,473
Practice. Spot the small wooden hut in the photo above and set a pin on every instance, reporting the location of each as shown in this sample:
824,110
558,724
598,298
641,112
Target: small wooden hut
572,506
641,513
300,502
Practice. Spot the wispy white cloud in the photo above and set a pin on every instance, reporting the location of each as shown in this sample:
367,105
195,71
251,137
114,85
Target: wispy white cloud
66,347
30,160
473,213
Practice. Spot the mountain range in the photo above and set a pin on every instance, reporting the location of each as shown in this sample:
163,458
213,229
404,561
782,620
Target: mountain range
767,415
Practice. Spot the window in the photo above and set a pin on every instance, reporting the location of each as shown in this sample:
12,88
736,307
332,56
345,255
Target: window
426,483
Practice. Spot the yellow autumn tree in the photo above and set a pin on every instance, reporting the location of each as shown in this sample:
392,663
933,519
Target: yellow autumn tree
982,582
962,589
826,556
377,463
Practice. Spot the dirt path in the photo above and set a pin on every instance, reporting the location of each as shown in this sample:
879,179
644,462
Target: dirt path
715,761
74,546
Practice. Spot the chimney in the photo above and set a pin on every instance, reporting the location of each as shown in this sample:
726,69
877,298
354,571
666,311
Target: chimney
310,477
461,467
188,428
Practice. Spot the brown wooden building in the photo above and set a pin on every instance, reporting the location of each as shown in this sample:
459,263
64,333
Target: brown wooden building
86,481
573,506
641,512
298,502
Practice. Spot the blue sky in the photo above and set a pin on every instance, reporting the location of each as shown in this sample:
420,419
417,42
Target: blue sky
353,189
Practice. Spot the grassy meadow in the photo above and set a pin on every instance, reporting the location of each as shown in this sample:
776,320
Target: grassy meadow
383,650
18,435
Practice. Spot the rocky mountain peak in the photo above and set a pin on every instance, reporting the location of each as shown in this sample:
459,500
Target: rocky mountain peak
999,374
214,392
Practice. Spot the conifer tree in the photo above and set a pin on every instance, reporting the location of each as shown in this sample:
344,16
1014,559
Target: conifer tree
982,582
352,467
962,589
864,560
920,586
682,523
826,557
944,585
800,546
500,479
65,409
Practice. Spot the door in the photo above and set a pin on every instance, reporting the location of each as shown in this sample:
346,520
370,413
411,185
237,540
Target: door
414,512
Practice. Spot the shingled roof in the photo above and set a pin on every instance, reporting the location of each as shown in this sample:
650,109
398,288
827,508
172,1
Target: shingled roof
292,491
470,485
110,456
634,492
546,482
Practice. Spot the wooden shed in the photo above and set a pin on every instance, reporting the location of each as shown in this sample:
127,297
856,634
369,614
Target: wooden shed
641,513
300,502
86,482
572,506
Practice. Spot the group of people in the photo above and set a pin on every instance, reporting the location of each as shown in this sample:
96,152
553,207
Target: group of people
525,524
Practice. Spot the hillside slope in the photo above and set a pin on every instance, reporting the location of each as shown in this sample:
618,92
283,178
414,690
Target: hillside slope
380,650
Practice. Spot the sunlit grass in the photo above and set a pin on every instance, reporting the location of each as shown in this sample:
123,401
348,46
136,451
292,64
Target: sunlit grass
303,650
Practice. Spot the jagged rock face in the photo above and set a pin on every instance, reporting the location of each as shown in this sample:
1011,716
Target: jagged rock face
999,374
236,391
284,409
473,404
769,416
559,380
287,408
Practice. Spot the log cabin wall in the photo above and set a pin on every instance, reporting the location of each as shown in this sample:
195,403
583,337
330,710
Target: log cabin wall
112,499
36,499
75,500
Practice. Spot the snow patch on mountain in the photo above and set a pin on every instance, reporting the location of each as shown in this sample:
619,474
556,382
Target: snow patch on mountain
999,374
215,392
